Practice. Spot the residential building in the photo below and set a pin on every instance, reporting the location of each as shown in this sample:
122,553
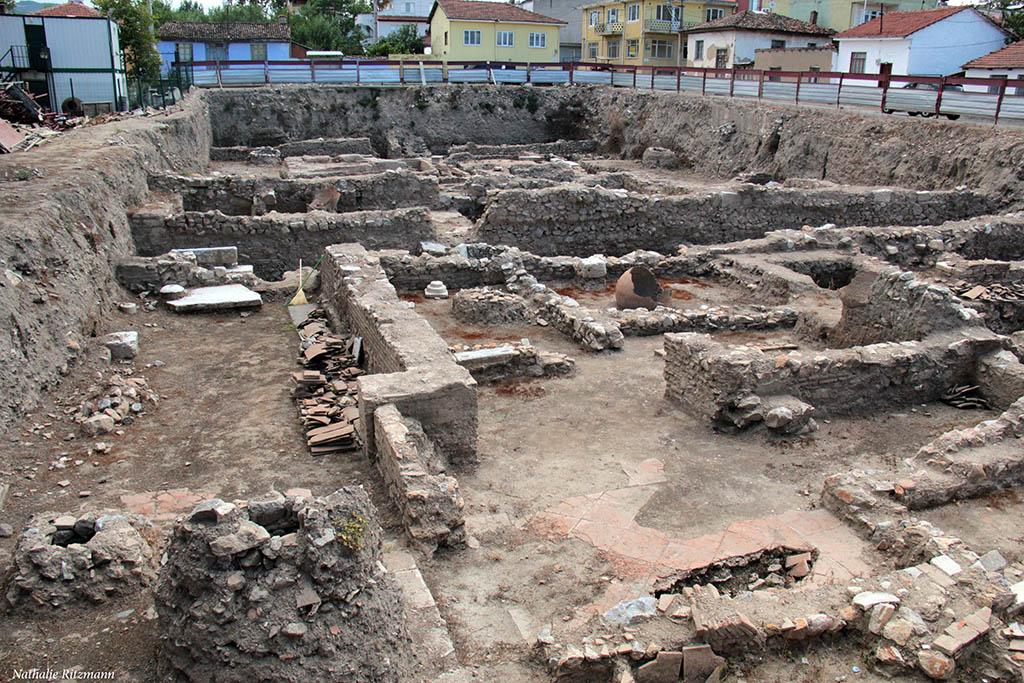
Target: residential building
732,41
935,42
197,41
1007,62
835,14
817,58
396,14
461,30
646,32
68,53
570,38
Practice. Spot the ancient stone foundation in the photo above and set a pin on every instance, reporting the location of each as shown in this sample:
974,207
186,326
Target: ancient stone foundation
285,588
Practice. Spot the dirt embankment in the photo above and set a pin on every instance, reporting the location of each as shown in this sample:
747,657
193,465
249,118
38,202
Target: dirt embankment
722,137
62,221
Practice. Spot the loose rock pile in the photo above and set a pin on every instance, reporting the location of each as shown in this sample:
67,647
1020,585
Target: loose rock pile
286,588
119,400
490,307
62,559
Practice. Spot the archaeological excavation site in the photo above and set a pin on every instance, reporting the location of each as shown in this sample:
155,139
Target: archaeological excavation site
512,383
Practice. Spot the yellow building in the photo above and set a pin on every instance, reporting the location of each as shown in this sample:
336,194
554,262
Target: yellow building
835,14
491,31
646,32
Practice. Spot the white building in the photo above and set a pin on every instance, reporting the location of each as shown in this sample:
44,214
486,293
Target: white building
69,53
1005,63
935,42
732,40
397,14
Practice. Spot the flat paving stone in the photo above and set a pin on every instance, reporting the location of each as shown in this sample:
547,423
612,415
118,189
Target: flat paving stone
218,298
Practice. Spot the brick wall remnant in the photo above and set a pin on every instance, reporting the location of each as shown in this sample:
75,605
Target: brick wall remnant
720,382
274,243
490,307
413,368
245,195
286,588
579,221
414,473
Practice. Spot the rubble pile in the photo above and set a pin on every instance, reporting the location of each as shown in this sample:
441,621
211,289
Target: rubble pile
184,267
117,401
283,588
326,389
495,362
62,559
485,306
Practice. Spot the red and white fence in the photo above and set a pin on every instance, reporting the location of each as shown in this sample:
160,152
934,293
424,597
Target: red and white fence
990,98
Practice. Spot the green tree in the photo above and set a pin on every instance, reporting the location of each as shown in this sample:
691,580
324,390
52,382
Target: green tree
1012,13
330,25
404,41
137,42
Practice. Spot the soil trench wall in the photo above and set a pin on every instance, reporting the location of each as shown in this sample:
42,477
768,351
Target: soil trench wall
63,222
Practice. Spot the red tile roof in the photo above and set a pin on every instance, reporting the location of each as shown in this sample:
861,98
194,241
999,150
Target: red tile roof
900,24
222,32
68,9
466,10
1010,57
761,21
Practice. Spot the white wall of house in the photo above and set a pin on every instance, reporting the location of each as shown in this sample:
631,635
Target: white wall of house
989,73
945,46
741,45
877,51
937,50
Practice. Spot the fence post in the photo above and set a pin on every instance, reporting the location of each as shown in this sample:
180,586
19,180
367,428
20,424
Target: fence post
266,71
652,78
704,82
732,81
760,83
312,70
938,98
885,92
679,79
839,92
572,66
220,84
999,102
358,80
799,77
634,78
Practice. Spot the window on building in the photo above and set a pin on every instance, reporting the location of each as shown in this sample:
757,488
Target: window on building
613,49
666,13
812,45
217,52
613,16
183,52
595,18
633,12
661,49
713,13
698,50
446,38
410,8
538,40
258,52
813,79
774,79
857,61
994,89
632,48
470,37
722,58
504,39
778,44
592,50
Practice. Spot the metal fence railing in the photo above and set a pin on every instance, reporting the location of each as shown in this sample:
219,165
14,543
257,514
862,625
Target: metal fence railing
992,98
